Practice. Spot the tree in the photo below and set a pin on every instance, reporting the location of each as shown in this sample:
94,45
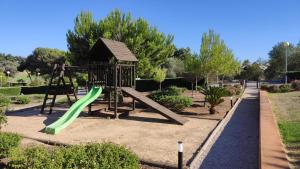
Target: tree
276,64
252,71
150,46
182,53
174,66
10,63
159,76
215,57
42,60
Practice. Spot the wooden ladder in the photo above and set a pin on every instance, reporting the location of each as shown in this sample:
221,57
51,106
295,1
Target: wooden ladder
53,88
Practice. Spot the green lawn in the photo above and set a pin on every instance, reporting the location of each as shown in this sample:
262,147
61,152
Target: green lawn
287,111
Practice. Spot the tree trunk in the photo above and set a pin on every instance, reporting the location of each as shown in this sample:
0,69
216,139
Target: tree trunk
160,86
196,83
212,110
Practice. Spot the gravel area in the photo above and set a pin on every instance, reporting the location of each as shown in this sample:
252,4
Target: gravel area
237,146
152,137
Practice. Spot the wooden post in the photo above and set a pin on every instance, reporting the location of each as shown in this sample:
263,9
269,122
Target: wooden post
116,92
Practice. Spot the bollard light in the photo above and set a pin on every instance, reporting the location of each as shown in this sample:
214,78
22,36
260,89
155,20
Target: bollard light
180,154
231,101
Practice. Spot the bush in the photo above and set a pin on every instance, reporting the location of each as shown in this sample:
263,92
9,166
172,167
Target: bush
38,81
265,87
4,101
232,90
274,89
7,142
106,155
177,103
285,88
3,118
172,98
22,100
213,95
296,85
10,91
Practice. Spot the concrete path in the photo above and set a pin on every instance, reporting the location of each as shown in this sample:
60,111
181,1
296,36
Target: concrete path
238,145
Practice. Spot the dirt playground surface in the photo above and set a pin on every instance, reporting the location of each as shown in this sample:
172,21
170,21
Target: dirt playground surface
152,137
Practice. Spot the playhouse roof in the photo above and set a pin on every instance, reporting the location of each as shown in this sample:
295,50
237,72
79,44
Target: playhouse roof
117,49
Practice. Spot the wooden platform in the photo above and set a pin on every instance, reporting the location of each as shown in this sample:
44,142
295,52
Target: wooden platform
154,105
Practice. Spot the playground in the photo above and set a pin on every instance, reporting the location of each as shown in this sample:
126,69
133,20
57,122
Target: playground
151,136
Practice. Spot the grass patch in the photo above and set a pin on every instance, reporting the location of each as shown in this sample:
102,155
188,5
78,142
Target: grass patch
290,132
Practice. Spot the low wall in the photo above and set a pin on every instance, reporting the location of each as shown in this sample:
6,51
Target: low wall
271,153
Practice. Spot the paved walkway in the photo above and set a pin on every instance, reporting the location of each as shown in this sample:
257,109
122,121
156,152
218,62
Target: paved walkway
238,145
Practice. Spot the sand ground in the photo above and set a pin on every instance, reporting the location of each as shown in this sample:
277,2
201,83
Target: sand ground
152,137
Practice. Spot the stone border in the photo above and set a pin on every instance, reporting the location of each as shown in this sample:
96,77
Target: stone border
212,138
271,151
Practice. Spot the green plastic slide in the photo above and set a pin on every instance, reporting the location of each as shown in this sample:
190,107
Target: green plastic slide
74,111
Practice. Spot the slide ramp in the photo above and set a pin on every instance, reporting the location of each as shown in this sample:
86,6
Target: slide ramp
74,111
154,105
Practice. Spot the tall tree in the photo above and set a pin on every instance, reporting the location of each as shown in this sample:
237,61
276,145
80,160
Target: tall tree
42,60
215,57
276,66
150,46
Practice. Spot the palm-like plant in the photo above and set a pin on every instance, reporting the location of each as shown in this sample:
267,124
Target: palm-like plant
213,95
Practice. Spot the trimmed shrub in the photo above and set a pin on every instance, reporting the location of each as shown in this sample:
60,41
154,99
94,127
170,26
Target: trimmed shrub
4,101
8,141
172,98
229,90
177,103
10,91
22,100
285,88
106,155
296,85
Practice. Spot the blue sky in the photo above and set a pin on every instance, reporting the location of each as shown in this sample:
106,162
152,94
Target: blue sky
250,28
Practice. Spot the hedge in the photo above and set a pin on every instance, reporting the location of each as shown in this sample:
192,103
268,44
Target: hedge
105,155
150,85
43,89
10,91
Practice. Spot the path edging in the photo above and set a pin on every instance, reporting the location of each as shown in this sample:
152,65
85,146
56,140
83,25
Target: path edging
271,151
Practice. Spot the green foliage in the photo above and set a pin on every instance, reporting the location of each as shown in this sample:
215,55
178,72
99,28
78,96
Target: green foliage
274,89
277,88
150,46
3,118
174,66
277,55
213,95
22,99
216,57
37,81
3,79
10,91
232,90
177,103
106,155
81,79
172,98
8,141
42,60
10,63
252,71
296,85
159,76
285,88
290,132
4,101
